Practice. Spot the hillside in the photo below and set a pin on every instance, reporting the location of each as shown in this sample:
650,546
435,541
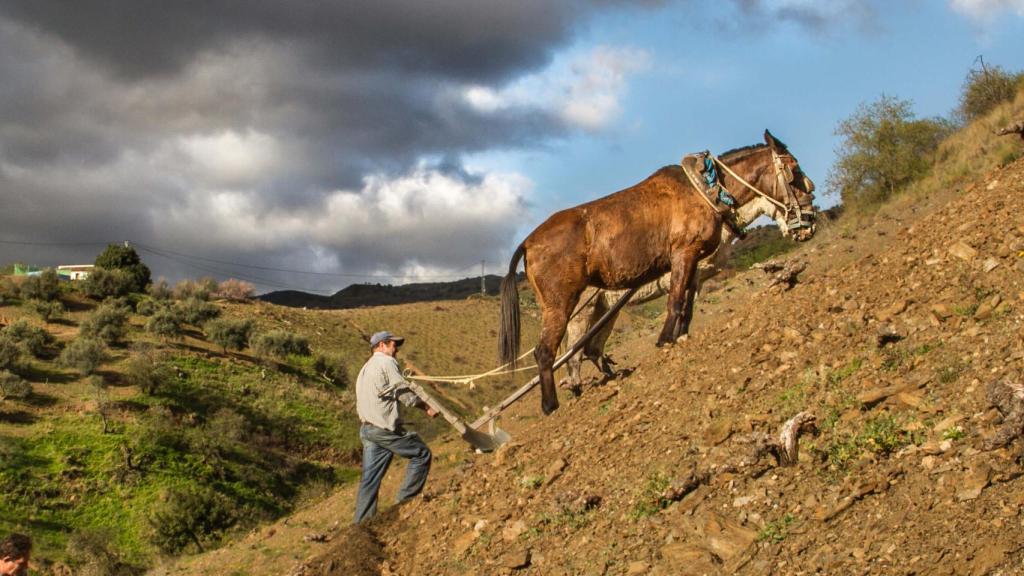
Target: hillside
893,337
90,465
366,295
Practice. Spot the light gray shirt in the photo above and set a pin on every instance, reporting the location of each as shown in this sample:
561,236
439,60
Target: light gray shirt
379,388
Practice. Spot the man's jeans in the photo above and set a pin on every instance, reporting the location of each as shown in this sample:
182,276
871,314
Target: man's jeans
378,447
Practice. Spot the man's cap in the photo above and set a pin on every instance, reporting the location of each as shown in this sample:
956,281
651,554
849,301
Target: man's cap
384,336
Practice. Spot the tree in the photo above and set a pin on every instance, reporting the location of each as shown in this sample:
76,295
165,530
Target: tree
109,323
102,284
165,323
44,286
83,354
884,149
228,333
281,344
985,89
12,386
124,257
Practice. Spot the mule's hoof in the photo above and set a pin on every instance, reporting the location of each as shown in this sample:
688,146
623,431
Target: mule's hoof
549,408
663,343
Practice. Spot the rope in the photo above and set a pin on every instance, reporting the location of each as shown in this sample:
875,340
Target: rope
749,185
500,370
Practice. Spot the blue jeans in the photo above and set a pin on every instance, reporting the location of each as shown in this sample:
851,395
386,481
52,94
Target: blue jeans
379,445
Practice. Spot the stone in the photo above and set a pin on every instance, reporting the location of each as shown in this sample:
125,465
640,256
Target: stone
990,265
727,539
977,480
718,432
683,559
554,470
512,531
637,567
517,559
963,251
463,543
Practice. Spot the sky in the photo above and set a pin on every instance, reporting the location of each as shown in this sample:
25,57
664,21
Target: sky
309,145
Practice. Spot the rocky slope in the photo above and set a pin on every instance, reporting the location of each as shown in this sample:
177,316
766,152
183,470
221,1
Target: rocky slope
891,337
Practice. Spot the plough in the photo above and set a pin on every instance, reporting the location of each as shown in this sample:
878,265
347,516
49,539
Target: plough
495,437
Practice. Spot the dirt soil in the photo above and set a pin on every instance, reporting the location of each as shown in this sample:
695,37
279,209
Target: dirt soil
891,337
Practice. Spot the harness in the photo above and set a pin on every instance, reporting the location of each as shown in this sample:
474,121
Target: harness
722,202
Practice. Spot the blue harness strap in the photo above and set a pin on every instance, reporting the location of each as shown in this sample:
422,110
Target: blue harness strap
711,179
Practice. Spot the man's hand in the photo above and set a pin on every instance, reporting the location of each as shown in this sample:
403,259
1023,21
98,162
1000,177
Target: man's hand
431,412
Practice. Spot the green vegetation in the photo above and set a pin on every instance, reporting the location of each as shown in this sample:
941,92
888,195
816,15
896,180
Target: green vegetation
125,259
651,499
102,284
44,286
109,323
229,334
882,434
747,253
986,88
84,354
884,149
776,530
281,344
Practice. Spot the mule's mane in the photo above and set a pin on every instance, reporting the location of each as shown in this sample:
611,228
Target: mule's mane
744,151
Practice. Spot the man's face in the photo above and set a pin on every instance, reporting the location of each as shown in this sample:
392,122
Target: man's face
389,347
13,566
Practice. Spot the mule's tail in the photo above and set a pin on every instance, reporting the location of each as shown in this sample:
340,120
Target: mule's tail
508,333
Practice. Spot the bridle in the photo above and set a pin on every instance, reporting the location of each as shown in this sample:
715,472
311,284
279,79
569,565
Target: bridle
796,217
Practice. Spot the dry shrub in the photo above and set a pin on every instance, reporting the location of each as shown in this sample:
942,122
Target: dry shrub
235,290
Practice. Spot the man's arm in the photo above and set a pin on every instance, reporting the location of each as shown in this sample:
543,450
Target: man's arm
404,394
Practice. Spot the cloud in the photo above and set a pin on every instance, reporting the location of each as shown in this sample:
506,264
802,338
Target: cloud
986,11
811,15
584,91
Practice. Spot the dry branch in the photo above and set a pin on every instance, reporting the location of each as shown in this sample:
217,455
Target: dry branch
785,274
1017,128
786,449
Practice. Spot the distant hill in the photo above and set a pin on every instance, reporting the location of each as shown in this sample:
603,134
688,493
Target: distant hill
359,295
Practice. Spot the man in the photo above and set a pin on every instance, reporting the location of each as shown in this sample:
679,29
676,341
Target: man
379,388
14,553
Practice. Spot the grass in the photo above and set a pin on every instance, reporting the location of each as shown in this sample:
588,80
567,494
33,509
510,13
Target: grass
651,499
776,530
881,434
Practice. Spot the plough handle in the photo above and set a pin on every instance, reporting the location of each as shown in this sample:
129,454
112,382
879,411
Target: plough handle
493,412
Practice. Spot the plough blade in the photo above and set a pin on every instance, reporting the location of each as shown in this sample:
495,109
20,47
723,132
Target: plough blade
483,441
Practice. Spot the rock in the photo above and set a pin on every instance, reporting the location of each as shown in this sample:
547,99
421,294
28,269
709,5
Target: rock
942,311
684,559
554,470
512,531
718,432
990,265
963,251
637,567
976,481
516,559
727,539
463,543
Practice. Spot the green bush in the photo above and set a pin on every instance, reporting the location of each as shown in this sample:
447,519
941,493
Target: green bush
195,516
201,289
165,323
84,354
92,553
125,259
33,339
102,284
47,310
109,323
44,286
197,312
884,149
10,352
985,89
159,290
13,386
333,368
146,371
8,290
146,307
229,334
281,344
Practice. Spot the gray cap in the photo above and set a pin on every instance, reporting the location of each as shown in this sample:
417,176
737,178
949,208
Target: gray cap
383,336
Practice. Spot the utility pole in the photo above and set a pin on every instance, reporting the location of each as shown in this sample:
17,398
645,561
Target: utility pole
483,280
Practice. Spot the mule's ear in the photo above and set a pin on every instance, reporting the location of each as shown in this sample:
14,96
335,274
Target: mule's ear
768,138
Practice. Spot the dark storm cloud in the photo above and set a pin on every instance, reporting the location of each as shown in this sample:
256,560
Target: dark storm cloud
276,133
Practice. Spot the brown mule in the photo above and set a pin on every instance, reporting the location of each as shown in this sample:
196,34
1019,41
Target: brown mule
632,237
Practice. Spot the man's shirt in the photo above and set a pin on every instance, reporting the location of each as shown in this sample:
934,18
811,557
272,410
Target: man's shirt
379,387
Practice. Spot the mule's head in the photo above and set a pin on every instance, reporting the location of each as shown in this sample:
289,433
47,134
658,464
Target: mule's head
794,189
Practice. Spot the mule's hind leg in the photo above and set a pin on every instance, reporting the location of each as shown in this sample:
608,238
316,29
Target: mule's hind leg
555,316
691,295
683,268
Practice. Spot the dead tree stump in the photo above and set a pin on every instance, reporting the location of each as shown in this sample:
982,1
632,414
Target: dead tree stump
1008,398
1017,128
786,448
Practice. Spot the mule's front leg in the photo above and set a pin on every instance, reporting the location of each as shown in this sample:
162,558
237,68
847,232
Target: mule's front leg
691,295
683,268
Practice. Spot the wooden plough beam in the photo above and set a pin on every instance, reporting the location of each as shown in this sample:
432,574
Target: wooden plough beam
489,441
